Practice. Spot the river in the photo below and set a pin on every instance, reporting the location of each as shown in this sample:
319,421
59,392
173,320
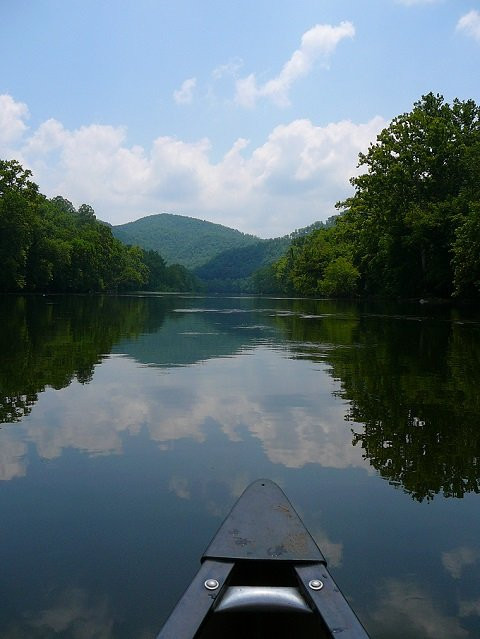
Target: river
130,424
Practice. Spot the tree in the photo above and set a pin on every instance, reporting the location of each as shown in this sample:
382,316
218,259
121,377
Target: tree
412,198
18,198
466,255
46,245
14,178
340,278
320,263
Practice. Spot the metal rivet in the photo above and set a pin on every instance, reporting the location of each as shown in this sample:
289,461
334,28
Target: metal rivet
211,584
316,584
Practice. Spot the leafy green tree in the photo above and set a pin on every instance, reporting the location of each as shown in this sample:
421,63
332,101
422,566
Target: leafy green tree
46,245
264,280
340,278
14,178
412,198
320,263
18,197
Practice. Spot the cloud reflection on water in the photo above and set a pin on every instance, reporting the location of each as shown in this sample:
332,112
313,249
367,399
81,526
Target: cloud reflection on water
72,613
456,560
406,610
287,409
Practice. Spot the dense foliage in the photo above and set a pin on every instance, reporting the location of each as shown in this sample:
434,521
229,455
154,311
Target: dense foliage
225,260
46,245
232,270
161,277
181,239
412,227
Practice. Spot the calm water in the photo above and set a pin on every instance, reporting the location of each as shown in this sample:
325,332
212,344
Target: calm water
129,425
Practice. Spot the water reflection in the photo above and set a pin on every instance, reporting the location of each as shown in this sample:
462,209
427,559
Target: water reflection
456,560
412,384
293,428
406,610
409,382
48,342
72,613
131,424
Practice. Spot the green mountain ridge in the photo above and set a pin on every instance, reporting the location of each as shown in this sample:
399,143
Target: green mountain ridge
224,259
183,240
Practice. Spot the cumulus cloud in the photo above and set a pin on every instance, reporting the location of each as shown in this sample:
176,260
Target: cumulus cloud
333,551
289,181
12,120
317,43
470,24
184,95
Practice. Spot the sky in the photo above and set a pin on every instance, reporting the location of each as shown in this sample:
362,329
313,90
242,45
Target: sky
247,113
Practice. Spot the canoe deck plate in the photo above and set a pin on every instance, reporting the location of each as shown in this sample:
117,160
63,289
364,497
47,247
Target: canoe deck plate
263,526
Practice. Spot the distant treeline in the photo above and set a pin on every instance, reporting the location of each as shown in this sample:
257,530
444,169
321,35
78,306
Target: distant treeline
46,245
412,227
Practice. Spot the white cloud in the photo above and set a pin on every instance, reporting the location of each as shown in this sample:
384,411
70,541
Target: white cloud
231,68
289,181
12,121
184,95
179,486
470,24
317,43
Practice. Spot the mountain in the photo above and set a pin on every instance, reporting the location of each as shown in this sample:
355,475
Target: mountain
182,240
224,259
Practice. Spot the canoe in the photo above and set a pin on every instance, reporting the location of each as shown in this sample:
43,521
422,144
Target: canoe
262,575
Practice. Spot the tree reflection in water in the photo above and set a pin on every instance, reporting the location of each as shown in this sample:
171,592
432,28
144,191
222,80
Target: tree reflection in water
412,383
51,341
411,378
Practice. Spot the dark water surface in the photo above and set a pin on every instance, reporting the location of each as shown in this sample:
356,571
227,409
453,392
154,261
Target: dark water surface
129,425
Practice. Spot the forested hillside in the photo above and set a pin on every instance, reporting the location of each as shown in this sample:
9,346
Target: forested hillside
224,259
412,227
232,270
46,245
182,240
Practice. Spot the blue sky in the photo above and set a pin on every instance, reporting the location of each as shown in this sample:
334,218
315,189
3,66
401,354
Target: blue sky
246,113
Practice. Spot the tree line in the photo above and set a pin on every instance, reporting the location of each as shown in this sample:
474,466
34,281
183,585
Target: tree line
46,245
412,226
410,229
